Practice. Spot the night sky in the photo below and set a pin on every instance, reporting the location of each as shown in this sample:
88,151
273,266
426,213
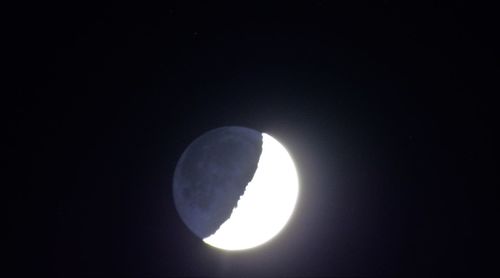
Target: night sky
386,109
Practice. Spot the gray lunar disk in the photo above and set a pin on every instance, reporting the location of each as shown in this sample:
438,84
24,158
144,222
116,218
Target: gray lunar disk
235,188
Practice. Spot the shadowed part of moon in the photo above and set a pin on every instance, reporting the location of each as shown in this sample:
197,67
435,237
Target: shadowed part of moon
212,174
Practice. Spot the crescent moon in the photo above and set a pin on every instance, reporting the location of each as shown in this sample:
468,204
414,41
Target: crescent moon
258,212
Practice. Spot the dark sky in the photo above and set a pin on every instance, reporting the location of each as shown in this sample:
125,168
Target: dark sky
386,109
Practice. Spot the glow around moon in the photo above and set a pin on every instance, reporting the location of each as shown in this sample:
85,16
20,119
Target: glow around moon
266,205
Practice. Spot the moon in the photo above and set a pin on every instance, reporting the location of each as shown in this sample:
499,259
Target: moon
235,188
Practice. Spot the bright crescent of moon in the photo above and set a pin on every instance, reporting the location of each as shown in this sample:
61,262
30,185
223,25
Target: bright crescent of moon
267,203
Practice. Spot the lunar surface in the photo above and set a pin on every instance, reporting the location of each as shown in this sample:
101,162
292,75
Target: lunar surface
235,188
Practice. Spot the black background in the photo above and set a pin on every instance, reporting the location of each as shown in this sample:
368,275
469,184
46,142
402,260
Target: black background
386,109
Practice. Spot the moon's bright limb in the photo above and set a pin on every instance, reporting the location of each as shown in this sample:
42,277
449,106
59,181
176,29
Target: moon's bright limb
266,205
